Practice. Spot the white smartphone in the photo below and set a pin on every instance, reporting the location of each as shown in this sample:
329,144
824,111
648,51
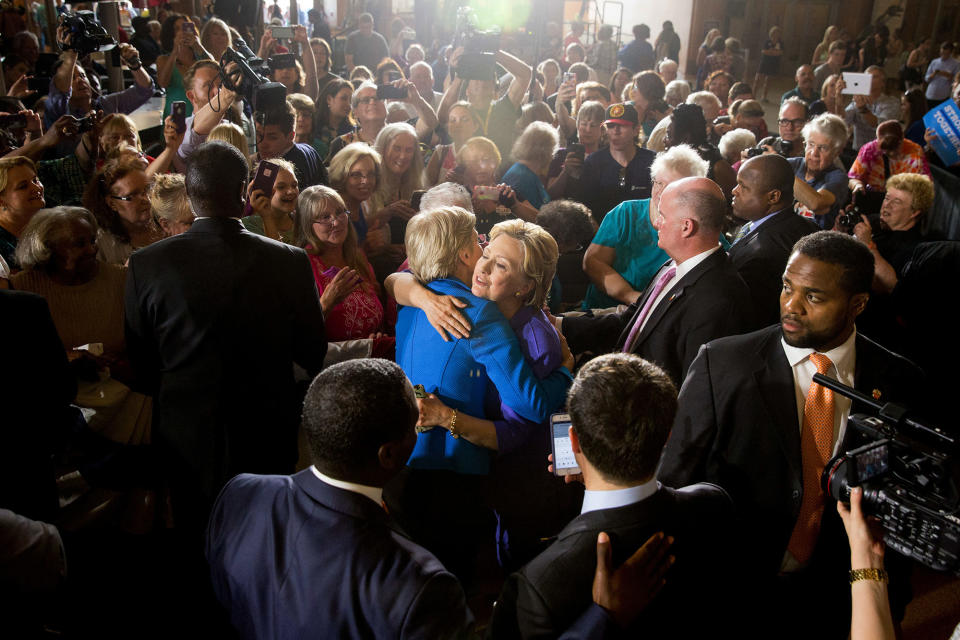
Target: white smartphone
564,462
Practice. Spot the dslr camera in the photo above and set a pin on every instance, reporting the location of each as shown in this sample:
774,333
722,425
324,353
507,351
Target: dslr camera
909,475
779,145
87,35
478,61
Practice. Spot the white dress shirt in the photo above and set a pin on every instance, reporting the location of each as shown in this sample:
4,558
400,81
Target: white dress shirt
597,500
374,493
683,269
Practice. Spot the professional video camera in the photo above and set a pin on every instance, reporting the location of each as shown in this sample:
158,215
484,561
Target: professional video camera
478,61
256,89
909,475
86,33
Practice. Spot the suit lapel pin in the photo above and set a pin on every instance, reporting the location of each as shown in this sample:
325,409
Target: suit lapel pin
876,394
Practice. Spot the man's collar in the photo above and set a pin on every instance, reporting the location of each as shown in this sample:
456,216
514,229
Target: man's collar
842,356
374,493
612,499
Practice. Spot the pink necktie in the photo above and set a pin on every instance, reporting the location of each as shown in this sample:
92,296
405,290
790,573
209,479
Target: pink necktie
647,306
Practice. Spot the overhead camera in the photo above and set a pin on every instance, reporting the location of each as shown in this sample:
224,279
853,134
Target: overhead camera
478,61
909,475
256,89
87,35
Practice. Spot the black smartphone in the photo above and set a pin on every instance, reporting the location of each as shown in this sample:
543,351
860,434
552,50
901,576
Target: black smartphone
188,27
564,462
576,150
281,61
39,84
266,176
390,92
178,110
415,200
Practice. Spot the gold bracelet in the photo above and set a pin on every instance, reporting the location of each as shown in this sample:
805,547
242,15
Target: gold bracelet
880,575
453,425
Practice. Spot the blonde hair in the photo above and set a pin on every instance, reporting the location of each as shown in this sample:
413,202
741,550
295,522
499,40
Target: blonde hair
479,144
540,255
310,203
168,196
301,102
341,163
920,188
232,134
9,163
435,239
208,27
117,123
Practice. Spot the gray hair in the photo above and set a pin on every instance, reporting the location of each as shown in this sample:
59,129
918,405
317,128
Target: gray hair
33,249
676,92
446,194
536,145
419,64
434,240
797,101
735,141
366,84
703,99
829,125
680,159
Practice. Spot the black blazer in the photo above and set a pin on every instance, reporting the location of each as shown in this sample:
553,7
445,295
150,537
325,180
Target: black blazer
760,258
737,426
215,319
549,593
711,301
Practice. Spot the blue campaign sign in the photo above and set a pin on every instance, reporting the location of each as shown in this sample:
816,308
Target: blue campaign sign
944,119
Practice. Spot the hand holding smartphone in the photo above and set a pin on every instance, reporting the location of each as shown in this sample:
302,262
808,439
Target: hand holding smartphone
564,462
178,110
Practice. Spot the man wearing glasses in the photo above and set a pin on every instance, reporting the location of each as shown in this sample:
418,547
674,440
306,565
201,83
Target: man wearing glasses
793,115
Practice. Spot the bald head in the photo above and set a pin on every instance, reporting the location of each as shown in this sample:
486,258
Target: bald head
701,199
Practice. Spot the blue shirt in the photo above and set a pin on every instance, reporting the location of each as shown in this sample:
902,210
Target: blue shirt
527,185
628,230
833,180
939,87
459,371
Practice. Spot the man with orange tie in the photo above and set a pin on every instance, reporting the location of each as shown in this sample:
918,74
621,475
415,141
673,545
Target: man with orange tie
752,420
695,297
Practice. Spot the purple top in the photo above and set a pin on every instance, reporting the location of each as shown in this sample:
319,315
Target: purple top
541,347
191,140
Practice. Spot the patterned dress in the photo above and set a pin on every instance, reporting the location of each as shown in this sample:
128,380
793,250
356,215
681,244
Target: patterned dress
358,315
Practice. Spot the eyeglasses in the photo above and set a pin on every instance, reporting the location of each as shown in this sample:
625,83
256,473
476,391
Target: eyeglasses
822,148
369,100
331,218
136,195
360,176
793,124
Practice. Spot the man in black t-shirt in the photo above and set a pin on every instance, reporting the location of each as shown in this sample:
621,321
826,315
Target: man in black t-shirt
365,46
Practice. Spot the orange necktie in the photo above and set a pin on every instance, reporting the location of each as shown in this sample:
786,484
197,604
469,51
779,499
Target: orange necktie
816,439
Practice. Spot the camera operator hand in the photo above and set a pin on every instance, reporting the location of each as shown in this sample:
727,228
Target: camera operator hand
455,58
64,39
20,88
130,55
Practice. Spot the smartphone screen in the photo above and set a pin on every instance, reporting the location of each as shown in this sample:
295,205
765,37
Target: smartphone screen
189,27
564,462
178,110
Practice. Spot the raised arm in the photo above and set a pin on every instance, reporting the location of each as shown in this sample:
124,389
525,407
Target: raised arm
521,72
310,85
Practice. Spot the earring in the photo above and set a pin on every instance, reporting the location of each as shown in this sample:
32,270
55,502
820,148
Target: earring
517,294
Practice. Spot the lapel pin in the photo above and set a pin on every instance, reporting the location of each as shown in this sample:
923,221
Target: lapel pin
876,394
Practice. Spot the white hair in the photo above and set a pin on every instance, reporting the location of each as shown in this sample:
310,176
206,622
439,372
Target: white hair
705,99
446,194
676,92
681,159
735,141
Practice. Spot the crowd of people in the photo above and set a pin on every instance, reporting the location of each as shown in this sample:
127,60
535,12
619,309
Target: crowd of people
394,282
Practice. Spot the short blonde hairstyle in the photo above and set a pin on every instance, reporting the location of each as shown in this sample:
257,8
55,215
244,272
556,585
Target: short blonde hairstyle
920,188
434,240
341,163
120,122
9,163
536,145
168,196
301,102
33,248
540,254
232,134
478,144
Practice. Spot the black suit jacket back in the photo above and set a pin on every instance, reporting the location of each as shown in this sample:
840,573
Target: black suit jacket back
709,302
216,317
548,594
761,256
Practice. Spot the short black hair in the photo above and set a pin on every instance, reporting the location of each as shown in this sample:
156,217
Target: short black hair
689,125
844,251
354,407
641,31
215,172
622,409
569,222
773,172
283,116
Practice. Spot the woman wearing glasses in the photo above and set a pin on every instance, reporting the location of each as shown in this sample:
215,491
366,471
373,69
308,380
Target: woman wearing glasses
349,294
118,195
820,186
355,174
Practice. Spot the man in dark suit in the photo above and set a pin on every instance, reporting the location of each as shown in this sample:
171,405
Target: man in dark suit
215,319
321,555
751,420
763,198
621,410
695,297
